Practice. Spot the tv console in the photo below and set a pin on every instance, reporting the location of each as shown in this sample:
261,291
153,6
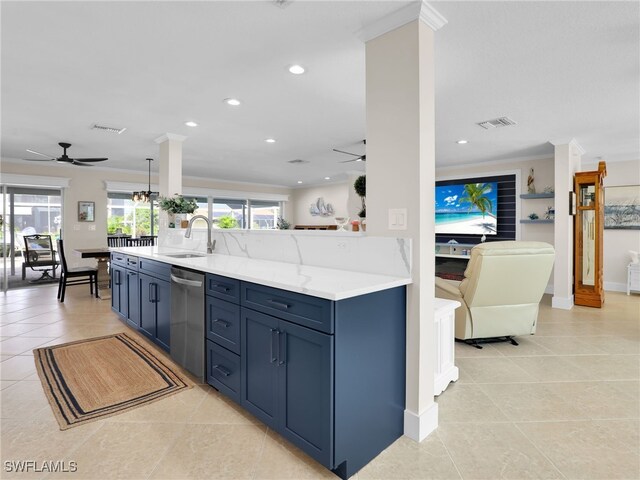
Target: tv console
454,250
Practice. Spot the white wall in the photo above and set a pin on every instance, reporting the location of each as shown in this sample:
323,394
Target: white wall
617,243
88,185
336,194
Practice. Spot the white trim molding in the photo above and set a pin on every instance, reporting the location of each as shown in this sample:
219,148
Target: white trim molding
562,302
170,136
568,141
127,187
418,427
422,11
34,180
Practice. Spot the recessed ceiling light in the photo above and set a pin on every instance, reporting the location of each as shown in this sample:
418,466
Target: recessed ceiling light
296,69
327,178
270,140
191,124
462,142
232,101
299,181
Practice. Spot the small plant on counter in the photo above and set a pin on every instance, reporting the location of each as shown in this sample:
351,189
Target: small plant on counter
360,186
283,224
533,216
177,204
227,222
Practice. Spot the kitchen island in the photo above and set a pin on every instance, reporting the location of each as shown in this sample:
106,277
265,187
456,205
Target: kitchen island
317,354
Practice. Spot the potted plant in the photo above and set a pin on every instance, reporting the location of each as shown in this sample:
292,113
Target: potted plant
360,186
178,207
283,224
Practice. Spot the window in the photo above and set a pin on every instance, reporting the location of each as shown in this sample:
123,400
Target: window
264,214
229,213
131,218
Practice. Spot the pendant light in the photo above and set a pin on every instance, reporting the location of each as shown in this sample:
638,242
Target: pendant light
144,196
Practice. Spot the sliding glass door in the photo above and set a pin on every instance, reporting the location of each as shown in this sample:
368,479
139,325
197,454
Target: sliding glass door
26,211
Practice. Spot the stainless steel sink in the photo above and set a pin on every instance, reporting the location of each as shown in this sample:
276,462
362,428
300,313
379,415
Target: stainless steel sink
185,255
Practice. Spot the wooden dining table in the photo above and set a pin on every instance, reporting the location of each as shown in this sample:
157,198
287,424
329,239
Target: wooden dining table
102,254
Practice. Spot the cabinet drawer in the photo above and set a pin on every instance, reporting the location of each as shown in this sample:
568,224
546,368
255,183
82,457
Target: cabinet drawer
119,259
312,312
223,287
223,370
223,323
132,263
157,269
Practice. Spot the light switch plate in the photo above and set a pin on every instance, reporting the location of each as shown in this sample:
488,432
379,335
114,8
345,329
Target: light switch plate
397,219
76,227
92,228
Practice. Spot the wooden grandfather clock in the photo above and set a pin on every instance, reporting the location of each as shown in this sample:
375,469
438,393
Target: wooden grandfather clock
588,230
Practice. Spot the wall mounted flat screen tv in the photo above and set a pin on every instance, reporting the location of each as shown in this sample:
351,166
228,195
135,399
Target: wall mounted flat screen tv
467,209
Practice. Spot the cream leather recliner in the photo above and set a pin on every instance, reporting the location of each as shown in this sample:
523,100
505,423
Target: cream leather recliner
501,291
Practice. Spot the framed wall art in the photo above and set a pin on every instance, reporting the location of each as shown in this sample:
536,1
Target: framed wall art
86,211
622,207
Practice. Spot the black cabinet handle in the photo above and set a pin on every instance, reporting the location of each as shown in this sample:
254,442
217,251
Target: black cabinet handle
222,370
150,296
274,340
118,279
275,303
222,322
155,293
221,287
282,348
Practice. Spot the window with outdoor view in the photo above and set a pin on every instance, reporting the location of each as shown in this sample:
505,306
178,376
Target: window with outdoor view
229,213
264,214
124,216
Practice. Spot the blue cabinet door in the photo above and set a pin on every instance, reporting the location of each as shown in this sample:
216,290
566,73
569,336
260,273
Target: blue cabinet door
133,299
162,301
259,366
147,306
118,292
305,390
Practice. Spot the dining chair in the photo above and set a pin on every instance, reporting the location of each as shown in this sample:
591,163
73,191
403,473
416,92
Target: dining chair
140,242
75,276
117,240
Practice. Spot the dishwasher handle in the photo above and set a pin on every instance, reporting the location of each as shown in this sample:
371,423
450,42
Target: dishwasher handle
182,281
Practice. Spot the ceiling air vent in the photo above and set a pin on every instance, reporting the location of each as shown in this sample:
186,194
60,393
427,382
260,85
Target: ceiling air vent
108,129
497,122
282,3
297,161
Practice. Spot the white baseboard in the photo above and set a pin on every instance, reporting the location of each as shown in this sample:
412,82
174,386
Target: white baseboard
615,287
563,303
418,427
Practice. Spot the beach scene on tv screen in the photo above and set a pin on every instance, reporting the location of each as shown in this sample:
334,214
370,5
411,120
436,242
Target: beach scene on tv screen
469,209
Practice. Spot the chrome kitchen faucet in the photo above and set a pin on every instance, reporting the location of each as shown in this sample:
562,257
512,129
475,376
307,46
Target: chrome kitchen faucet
210,244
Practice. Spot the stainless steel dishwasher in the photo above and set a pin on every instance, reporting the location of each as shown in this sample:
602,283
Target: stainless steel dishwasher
187,320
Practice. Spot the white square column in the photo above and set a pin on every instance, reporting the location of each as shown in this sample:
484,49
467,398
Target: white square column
567,161
401,177
170,175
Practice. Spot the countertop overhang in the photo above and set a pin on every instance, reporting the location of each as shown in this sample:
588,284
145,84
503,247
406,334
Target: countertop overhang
328,283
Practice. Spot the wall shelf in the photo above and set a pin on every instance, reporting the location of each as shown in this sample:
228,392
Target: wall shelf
539,220
536,195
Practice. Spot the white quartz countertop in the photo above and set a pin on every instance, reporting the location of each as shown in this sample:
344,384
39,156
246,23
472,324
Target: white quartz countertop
329,283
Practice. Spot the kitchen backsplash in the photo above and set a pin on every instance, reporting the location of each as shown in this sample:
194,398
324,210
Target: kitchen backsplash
345,251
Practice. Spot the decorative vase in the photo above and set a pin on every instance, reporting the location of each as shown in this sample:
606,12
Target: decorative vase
180,220
363,224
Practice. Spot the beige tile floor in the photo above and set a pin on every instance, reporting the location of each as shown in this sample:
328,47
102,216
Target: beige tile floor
564,404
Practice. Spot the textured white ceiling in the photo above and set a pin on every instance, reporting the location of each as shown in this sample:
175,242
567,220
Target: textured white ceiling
561,69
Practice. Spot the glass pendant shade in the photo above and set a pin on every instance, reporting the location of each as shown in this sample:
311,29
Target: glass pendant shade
144,196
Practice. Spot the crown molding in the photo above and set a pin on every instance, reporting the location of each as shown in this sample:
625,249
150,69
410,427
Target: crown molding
421,10
34,180
568,141
170,136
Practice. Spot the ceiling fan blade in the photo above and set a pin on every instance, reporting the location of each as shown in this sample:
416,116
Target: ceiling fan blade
348,153
39,159
81,164
90,159
361,158
50,157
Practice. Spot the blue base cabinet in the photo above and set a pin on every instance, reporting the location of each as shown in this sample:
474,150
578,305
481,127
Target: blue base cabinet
328,376
142,296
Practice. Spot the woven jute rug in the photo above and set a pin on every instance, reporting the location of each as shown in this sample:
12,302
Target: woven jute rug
100,377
